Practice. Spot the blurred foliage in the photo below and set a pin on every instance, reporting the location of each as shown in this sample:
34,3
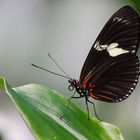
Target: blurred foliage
1,137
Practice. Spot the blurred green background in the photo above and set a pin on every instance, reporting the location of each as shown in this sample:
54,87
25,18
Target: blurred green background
29,30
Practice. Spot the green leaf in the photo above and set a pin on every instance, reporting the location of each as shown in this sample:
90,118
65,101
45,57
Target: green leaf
41,107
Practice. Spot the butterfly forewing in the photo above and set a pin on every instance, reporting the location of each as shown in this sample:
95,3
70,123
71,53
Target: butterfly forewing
112,65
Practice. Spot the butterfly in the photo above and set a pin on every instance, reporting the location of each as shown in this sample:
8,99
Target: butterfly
111,70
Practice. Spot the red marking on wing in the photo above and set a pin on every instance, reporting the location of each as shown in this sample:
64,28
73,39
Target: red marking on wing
92,95
99,97
84,85
87,77
87,85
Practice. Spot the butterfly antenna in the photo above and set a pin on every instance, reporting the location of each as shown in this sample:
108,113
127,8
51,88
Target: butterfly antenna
58,65
49,71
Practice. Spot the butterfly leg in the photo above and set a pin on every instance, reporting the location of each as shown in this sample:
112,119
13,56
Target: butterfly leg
94,109
67,107
86,99
77,97
69,100
87,107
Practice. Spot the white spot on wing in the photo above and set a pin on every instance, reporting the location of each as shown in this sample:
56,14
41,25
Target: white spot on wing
133,46
124,97
134,84
117,51
112,49
119,19
120,99
102,47
133,51
132,88
99,47
112,46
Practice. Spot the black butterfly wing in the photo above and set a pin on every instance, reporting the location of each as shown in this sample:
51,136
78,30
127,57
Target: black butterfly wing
118,40
118,81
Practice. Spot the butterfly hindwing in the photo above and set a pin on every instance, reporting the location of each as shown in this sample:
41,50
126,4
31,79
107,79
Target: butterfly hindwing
118,81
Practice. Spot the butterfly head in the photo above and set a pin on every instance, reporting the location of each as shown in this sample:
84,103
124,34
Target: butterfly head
75,85
72,85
